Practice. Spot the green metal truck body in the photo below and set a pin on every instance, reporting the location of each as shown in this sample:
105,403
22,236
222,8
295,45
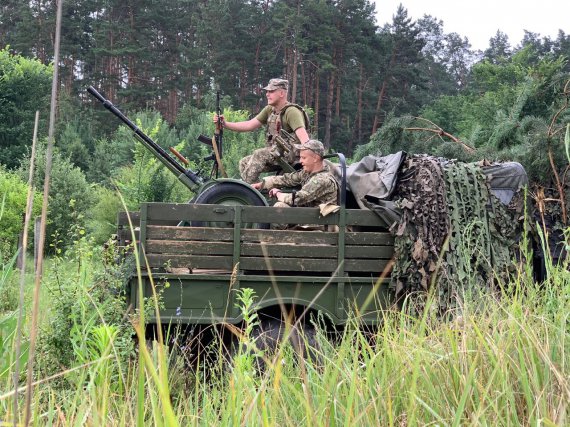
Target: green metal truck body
197,270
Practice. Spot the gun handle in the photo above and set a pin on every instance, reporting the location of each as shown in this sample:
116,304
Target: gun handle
179,156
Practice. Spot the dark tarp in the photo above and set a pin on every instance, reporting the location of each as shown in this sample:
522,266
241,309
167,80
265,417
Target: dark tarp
372,181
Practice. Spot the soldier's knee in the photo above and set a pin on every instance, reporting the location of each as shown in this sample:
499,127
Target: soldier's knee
243,164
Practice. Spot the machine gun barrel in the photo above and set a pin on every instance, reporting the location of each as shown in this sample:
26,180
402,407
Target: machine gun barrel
189,178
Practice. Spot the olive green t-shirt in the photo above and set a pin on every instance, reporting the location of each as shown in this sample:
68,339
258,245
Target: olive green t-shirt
292,120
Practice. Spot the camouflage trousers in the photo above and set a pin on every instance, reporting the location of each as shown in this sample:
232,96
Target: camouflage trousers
262,160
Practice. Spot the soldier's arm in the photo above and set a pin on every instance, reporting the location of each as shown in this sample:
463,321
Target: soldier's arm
296,121
245,126
302,134
291,179
313,190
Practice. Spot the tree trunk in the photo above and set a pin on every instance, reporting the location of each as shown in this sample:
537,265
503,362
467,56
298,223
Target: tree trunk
294,78
357,130
382,92
316,121
337,109
379,106
328,111
304,84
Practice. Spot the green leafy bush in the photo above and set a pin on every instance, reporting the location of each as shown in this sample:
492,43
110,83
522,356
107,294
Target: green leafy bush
147,179
102,218
24,89
13,196
70,195
86,290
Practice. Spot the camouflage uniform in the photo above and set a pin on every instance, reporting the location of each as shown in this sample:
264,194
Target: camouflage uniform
316,188
289,118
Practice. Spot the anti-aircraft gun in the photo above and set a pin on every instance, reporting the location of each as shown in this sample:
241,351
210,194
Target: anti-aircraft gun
206,190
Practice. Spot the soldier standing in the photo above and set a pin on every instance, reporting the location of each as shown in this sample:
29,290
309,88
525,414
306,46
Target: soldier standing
318,184
279,115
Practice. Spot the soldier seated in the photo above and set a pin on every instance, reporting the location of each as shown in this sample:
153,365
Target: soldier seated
318,184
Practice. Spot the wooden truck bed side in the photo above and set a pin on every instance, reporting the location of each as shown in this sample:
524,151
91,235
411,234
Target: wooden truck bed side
197,269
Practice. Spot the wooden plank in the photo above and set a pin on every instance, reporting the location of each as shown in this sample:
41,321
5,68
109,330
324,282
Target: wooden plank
288,250
166,212
123,235
358,217
372,239
369,252
298,265
122,219
269,214
269,250
360,266
257,214
189,233
289,236
188,247
364,218
189,212
190,261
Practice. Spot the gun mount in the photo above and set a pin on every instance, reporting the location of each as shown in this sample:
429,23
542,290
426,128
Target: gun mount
207,191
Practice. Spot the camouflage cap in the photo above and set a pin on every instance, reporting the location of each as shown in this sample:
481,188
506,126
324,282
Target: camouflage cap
275,84
315,146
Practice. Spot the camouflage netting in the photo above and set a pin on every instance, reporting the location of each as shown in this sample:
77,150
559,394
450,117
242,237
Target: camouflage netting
454,234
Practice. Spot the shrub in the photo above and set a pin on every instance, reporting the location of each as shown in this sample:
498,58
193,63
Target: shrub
102,220
70,195
13,195
24,88
85,291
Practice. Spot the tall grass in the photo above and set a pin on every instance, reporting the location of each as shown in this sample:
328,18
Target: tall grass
503,362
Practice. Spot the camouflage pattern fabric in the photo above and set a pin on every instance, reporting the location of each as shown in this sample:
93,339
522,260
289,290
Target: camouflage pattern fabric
250,167
454,234
316,188
264,160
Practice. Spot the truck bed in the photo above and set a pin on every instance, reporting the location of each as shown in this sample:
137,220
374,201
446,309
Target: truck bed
198,256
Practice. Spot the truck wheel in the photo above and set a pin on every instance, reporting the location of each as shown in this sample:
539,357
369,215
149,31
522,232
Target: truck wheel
229,194
269,336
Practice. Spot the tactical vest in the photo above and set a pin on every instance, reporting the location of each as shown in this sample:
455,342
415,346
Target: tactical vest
274,123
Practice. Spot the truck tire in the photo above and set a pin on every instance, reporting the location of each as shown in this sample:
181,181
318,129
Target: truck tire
229,194
269,336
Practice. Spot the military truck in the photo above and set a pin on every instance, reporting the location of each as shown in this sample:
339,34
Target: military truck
401,222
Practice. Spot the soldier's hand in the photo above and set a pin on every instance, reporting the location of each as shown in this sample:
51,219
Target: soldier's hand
216,118
273,192
257,185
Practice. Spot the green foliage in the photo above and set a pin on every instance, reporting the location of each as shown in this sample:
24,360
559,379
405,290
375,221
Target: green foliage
24,89
8,322
102,217
245,358
85,292
103,163
147,179
70,195
71,145
13,199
